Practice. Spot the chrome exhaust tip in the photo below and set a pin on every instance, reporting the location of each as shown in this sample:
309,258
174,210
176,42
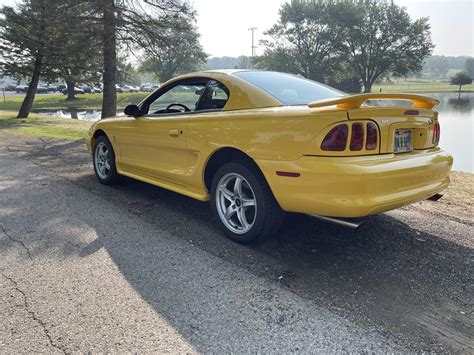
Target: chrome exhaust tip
346,222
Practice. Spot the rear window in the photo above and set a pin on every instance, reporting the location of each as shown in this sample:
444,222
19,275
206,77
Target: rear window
289,89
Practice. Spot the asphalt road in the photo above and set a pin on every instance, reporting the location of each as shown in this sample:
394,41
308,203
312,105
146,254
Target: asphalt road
133,267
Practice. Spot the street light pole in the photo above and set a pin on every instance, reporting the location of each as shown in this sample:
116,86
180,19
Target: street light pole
253,46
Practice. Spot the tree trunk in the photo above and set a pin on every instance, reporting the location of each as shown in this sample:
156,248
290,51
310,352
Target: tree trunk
109,101
73,112
31,92
71,95
367,87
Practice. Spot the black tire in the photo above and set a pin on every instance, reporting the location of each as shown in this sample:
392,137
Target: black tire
268,214
109,176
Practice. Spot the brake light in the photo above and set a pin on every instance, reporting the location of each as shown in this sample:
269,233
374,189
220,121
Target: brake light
336,139
439,133
357,136
371,142
436,133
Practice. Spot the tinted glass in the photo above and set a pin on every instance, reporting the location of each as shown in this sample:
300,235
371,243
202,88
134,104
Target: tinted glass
214,98
184,94
289,89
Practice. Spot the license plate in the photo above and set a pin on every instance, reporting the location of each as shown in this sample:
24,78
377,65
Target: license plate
403,142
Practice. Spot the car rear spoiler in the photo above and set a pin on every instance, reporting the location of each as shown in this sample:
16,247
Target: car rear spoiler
356,101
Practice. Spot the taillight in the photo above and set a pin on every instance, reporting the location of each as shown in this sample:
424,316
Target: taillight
439,133
372,134
357,136
336,139
436,133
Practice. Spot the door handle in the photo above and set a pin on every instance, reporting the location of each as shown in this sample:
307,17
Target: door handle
174,132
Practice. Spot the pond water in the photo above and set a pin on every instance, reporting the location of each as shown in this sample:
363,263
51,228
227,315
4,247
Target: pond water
455,116
80,114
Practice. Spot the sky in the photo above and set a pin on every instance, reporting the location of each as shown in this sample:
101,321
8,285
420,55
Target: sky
224,24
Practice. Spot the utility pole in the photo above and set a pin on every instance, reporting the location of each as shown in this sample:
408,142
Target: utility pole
253,46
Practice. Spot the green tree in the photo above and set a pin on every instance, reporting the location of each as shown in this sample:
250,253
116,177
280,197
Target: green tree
345,78
243,62
304,40
461,78
278,59
137,25
28,38
78,55
381,38
436,66
469,67
182,54
126,72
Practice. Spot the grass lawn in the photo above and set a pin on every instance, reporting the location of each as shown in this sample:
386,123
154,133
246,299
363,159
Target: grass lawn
421,86
85,101
44,126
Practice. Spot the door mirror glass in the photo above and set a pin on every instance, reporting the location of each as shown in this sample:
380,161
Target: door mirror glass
132,110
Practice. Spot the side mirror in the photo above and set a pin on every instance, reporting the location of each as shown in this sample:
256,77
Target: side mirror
132,110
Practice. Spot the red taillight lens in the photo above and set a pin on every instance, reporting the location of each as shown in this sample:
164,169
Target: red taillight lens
357,136
439,133
336,139
372,135
436,132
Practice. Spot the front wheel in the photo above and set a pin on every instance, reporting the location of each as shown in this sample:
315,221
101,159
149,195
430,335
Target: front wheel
104,161
243,204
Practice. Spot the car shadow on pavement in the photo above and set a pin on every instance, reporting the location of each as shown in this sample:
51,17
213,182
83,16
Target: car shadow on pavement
388,274
384,274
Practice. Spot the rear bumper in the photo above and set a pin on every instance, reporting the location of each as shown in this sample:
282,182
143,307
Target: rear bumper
357,186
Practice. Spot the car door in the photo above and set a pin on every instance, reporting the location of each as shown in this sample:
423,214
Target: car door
154,145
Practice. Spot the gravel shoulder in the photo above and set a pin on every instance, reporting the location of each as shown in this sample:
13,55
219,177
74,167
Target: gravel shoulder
402,281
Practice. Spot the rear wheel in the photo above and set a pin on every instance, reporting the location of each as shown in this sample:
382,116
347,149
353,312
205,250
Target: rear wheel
104,161
243,204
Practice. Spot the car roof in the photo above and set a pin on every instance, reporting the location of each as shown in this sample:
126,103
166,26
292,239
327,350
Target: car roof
243,94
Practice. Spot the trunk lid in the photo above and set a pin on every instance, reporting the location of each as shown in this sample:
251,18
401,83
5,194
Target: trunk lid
396,121
402,119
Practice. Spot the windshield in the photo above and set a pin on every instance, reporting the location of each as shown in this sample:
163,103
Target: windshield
289,89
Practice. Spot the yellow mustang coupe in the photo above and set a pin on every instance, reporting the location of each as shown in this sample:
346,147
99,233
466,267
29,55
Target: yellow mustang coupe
257,143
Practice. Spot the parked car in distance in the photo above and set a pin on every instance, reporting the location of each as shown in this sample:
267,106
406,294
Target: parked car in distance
76,91
51,88
122,88
42,89
96,90
21,88
149,87
86,88
61,87
9,88
257,143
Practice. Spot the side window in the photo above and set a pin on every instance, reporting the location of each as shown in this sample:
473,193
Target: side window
214,97
180,98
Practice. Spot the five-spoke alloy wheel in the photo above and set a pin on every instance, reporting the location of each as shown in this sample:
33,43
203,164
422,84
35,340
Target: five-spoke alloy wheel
104,161
236,203
243,204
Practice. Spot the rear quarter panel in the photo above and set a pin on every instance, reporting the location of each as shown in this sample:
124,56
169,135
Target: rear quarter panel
281,133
